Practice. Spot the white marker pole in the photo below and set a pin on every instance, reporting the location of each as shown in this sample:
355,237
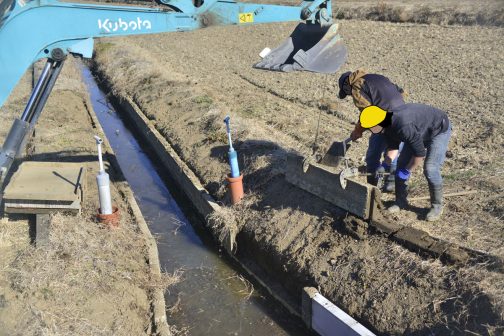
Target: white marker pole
103,182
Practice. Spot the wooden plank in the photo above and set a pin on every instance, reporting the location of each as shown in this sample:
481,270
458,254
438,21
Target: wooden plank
46,181
323,182
453,194
45,187
42,229
41,208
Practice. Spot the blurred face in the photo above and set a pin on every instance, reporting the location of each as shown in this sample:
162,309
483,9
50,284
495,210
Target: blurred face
376,129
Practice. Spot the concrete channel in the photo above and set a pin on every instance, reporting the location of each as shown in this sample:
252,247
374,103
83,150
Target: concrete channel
214,296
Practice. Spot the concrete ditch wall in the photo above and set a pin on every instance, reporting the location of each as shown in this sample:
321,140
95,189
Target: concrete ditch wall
202,201
158,306
324,317
206,205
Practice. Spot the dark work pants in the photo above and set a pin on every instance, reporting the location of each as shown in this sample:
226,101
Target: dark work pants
377,147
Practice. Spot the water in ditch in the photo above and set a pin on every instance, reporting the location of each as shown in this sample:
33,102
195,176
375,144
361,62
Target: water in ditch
213,297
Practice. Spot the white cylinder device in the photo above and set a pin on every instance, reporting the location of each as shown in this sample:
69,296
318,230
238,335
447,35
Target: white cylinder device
103,181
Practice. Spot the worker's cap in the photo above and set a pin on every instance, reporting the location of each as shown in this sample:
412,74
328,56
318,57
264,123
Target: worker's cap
372,116
342,94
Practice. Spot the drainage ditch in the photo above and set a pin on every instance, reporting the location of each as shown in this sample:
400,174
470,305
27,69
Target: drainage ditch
214,297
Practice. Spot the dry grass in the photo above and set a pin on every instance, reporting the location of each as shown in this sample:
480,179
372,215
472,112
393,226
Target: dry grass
87,280
489,13
184,331
167,279
85,274
248,287
223,223
178,224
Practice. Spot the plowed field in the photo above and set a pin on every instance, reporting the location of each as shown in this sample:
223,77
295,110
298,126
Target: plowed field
187,82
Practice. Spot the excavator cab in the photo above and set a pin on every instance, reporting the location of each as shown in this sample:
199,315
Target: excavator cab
310,47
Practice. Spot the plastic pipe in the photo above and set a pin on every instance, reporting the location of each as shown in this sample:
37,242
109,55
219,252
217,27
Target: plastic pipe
228,131
99,141
232,154
103,181
233,162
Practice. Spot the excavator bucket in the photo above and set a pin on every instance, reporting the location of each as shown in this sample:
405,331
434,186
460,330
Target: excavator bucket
310,47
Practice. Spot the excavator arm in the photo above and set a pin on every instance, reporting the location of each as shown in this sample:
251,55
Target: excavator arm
31,30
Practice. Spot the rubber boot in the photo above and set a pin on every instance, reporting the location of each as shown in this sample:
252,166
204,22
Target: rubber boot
371,179
436,195
401,192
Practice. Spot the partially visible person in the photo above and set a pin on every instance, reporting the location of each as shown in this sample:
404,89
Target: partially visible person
425,132
367,90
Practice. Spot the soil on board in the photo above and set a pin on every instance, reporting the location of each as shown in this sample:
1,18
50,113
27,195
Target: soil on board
88,279
186,83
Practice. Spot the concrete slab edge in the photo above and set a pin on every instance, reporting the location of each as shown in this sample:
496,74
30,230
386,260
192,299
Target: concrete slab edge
158,306
328,319
421,241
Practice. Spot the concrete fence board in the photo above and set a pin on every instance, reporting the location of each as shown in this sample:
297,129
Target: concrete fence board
325,318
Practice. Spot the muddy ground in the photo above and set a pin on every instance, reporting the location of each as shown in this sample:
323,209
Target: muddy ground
88,279
187,82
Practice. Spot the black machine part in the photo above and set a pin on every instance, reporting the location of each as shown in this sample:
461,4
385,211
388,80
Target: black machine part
310,47
17,137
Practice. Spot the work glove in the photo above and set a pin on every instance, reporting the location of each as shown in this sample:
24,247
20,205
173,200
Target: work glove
403,174
357,132
355,135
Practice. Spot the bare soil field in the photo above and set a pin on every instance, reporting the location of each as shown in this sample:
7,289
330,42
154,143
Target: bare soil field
87,280
444,12
448,12
187,82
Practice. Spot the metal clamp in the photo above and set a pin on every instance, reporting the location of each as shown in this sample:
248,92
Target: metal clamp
347,173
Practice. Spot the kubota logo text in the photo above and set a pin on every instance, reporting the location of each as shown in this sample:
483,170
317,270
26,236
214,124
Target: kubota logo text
113,26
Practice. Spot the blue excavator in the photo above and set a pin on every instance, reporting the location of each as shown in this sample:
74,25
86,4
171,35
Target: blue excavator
31,30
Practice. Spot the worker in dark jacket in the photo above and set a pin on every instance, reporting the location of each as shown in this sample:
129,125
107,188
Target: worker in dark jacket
366,90
425,132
